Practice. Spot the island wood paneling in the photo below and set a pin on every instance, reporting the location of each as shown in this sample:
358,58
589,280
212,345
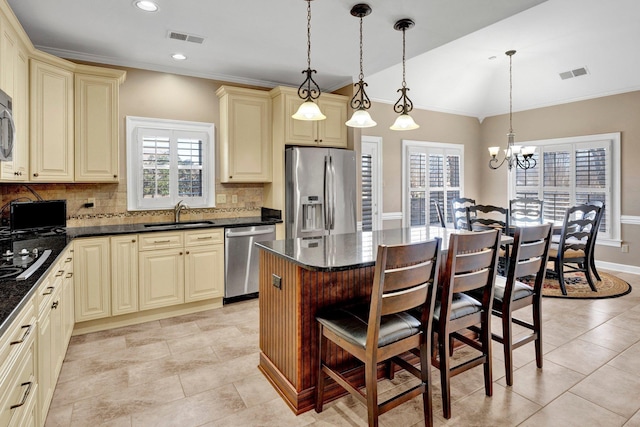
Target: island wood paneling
288,329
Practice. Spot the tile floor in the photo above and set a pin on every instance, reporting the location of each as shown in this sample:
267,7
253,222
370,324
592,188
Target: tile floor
200,370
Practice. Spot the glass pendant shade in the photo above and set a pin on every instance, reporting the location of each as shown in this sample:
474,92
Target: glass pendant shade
404,122
309,110
361,119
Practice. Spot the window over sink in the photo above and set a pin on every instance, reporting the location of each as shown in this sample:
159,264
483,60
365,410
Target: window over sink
169,161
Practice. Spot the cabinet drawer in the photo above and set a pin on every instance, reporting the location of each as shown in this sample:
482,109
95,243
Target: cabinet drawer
152,241
19,386
16,339
45,291
205,236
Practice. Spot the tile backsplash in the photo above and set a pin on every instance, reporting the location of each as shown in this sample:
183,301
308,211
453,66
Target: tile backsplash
111,203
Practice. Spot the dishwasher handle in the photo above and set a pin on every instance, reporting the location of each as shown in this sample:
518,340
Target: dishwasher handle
230,233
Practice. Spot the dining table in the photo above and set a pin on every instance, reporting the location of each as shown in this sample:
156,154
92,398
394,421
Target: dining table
297,278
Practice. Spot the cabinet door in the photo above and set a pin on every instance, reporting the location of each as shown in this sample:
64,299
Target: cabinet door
245,132
68,308
58,346
204,272
45,372
332,131
51,107
124,273
14,78
92,279
96,130
297,132
161,278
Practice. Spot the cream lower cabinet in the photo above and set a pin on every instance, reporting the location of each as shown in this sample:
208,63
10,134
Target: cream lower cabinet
204,264
55,303
161,269
18,368
124,274
92,273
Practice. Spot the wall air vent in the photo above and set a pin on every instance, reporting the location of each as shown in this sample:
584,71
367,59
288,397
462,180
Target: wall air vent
185,37
582,71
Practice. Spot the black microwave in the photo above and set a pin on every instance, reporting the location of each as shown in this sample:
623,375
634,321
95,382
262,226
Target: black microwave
38,215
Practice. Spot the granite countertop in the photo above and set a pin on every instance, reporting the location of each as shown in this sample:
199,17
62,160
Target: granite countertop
104,230
353,250
15,294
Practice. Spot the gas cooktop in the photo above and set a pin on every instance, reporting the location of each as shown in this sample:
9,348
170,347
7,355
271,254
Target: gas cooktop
22,254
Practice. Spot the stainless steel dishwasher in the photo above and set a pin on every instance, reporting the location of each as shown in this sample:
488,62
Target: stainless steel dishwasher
241,260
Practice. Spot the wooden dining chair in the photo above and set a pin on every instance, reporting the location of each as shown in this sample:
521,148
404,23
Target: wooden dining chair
482,217
470,265
528,257
592,260
438,209
575,243
459,211
405,277
526,211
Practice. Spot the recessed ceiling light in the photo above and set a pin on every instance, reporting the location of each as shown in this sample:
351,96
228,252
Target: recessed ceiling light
178,57
146,5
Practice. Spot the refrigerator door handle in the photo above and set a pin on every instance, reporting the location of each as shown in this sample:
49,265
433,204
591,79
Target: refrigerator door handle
333,194
327,182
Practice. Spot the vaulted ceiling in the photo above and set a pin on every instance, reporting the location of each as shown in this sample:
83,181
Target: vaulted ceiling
456,61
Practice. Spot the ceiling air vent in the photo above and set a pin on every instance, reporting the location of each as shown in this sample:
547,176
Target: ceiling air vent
185,37
574,73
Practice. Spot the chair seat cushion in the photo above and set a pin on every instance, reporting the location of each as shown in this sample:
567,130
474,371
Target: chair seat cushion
520,290
570,253
461,305
351,324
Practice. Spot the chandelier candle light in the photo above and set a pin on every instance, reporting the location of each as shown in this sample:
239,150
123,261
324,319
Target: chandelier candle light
309,89
360,101
512,151
404,104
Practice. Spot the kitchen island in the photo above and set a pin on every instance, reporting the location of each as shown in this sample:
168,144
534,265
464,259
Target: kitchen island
299,277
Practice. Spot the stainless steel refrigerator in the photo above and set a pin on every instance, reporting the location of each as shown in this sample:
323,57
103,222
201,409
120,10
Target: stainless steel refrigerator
321,191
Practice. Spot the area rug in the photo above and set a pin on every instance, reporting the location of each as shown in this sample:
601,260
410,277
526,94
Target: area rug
577,287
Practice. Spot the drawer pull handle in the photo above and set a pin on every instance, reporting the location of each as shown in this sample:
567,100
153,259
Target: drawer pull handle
205,238
162,241
54,306
24,336
25,396
59,273
49,290
68,259
68,275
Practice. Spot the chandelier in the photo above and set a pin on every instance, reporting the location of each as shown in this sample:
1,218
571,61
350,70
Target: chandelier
309,89
513,152
360,101
404,104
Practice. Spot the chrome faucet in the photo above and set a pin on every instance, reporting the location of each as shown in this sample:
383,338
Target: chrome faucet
177,209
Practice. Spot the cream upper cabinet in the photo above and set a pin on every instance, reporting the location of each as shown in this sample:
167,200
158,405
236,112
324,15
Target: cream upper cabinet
204,264
96,126
92,276
52,143
14,80
124,274
331,132
245,135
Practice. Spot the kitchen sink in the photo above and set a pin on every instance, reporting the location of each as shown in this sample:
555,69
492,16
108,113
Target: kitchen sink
178,224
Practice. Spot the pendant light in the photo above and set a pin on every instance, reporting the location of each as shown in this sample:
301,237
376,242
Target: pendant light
309,89
512,151
404,104
360,101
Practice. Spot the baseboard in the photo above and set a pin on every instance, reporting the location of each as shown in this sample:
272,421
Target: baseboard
622,268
